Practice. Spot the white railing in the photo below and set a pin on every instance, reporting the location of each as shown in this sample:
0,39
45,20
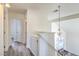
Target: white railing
43,44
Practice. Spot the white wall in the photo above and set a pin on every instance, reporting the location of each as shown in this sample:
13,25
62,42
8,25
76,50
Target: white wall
72,42
71,28
1,30
37,20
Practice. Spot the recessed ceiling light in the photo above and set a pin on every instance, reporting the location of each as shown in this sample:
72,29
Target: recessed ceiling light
7,5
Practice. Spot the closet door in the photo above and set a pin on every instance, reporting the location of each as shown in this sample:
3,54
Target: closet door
15,28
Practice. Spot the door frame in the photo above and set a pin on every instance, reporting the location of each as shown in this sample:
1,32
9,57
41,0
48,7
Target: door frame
6,16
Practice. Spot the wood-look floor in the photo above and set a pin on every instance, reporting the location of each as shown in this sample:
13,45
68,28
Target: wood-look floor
18,49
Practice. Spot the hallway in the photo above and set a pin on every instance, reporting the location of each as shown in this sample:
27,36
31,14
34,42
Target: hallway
18,49
34,30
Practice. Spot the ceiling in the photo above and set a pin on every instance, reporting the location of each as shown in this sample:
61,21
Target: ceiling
66,8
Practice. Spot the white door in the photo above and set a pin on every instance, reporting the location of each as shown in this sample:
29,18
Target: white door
17,27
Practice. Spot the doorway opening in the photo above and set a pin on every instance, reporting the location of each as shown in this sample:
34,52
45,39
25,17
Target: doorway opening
15,27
